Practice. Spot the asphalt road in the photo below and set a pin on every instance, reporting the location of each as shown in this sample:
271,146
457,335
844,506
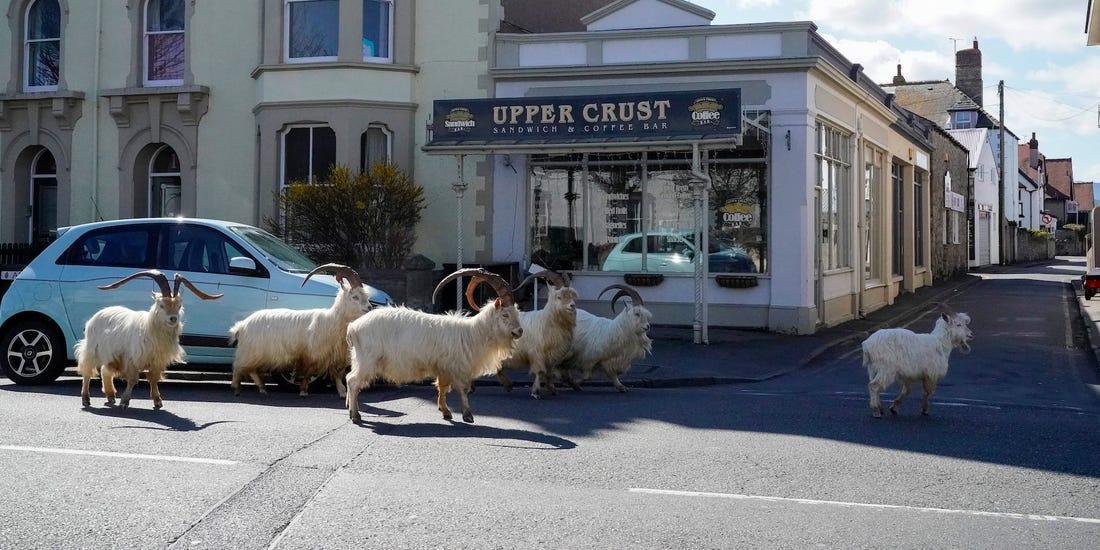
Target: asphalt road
1010,457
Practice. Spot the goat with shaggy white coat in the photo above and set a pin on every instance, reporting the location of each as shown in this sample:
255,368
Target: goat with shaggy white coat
123,342
547,334
901,355
309,342
403,345
611,345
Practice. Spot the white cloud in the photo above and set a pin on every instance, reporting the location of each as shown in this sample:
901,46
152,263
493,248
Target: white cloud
1080,79
1023,24
880,58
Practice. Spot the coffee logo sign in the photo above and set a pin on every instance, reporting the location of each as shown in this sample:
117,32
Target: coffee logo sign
706,110
460,119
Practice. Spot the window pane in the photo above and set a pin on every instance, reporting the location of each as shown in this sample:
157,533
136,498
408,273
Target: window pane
164,194
166,162
899,243
44,20
314,28
324,152
557,208
166,56
670,219
616,215
127,248
738,201
165,15
375,147
45,164
376,28
45,63
196,249
296,161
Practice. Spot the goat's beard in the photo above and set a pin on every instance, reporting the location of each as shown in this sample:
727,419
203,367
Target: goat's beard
964,347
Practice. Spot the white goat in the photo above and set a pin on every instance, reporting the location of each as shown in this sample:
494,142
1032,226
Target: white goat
898,354
310,342
610,344
547,334
126,343
404,345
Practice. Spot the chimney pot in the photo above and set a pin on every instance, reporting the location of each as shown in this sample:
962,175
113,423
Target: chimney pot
899,79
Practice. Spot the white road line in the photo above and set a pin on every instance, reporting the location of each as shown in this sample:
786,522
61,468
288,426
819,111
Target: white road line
163,458
731,496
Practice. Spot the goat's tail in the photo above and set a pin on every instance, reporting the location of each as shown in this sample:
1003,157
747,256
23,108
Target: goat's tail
233,334
868,364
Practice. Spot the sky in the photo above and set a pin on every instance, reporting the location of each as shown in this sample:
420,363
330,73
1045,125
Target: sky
1052,80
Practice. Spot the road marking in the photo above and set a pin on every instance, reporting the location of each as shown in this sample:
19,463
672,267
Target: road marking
732,496
163,458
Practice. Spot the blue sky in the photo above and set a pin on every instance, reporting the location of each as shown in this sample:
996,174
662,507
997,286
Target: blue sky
1036,46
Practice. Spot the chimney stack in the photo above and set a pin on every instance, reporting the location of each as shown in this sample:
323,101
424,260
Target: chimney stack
968,72
898,79
1033,152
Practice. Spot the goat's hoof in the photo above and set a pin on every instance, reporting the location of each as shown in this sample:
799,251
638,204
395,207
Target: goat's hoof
894,411
447,415
303,394
473,388
621,389
508,387
575,386
157,405
124,405
110,402
86,401
876,413
468,417
924,412
536,395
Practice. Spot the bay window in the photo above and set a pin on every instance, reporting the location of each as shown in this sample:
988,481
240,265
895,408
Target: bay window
42,46
377,30
312,30
375,147
164,44
833,166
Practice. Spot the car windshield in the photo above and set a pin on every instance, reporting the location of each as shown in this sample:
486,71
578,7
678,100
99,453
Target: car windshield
283,255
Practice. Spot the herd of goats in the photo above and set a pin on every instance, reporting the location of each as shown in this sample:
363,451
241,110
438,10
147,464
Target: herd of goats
402,345
395,344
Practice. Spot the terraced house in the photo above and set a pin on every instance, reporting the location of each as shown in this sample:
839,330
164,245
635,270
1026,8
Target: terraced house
581,134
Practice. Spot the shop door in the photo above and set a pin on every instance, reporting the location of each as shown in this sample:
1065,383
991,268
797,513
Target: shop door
984,240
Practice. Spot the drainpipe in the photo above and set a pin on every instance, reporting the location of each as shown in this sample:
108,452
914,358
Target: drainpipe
95,119
702,205
459,188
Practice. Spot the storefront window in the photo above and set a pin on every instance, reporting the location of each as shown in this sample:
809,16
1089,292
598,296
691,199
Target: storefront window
738,217
557,208
833,164
615,211
872,198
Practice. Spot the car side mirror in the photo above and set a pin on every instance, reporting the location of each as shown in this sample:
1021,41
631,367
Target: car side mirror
241,265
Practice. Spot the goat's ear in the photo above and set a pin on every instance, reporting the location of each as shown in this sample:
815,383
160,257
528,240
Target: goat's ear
945,317
498,303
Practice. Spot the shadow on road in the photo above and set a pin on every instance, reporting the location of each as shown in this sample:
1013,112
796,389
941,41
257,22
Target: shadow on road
462,430
166,420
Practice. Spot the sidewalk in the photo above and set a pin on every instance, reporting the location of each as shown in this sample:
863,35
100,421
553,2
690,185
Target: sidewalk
735,356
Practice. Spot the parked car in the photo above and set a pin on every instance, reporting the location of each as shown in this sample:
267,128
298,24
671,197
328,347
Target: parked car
43,313
674,252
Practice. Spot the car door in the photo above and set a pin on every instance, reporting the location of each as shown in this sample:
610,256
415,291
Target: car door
202,255
103,256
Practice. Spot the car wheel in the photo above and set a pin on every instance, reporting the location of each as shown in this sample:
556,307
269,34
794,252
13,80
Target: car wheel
34,353
1089,294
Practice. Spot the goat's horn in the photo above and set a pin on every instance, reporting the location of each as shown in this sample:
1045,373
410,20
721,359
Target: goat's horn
202,295
500,286
153,274
624,291
552,277
340,271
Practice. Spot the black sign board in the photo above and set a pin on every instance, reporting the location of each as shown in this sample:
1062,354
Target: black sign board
651,115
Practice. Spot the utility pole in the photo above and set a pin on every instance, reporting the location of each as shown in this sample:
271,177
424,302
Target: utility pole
1001,180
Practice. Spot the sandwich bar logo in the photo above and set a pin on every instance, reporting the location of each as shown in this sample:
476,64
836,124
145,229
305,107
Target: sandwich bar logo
460,119
706,111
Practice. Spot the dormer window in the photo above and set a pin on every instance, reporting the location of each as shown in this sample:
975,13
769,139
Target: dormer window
965,119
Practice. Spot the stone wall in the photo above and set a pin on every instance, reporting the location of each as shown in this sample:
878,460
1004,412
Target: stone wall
948,259
1031,248
1069,243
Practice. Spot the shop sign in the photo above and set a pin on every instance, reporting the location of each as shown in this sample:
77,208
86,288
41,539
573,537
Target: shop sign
1071,207
642,115
736,215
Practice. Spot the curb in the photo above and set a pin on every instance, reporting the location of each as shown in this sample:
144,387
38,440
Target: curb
1092,331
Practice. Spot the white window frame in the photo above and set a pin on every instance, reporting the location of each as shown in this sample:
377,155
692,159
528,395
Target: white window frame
286,41
27,41
282,152
145,34
389,48
389,142
840,237
955,226
35,176
152,174
969,119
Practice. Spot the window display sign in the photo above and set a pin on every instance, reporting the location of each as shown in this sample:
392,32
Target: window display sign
646,115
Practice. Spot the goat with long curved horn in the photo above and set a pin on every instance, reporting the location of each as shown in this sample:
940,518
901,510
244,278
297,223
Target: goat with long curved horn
478,276
153,274
342,273
550,276
180,279
624,291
